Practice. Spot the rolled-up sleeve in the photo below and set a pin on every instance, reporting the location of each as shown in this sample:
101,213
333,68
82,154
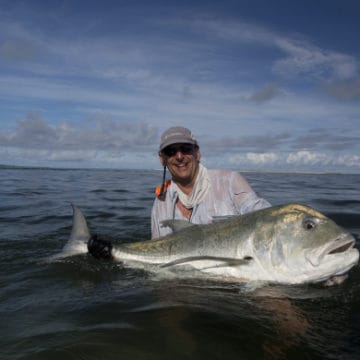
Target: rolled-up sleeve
155,221
244,197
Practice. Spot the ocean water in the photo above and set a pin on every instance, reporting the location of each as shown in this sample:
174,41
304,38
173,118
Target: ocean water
81,308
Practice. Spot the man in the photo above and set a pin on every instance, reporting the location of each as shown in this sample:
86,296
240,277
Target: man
195,193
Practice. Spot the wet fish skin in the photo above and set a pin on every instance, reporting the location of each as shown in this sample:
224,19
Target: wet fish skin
288,244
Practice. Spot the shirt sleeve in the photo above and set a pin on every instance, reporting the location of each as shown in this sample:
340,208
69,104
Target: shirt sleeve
155,231
244,197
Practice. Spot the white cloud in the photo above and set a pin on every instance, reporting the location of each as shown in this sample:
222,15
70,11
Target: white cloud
312,158
307,158
298,161
305,58
295,57
262,159
79,158
253,159
348,161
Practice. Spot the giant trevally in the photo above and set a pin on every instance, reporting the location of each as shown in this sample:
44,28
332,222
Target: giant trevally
287,244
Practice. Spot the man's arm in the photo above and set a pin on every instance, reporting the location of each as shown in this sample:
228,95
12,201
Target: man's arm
155,222
244,197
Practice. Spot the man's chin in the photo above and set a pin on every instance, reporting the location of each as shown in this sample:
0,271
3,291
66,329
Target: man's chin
183,171
182,177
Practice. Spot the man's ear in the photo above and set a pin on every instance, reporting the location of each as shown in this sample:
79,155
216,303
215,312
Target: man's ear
197,154
162,159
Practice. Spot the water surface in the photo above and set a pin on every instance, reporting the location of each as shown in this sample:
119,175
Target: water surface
80,308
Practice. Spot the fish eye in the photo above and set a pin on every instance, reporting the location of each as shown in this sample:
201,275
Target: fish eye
309,224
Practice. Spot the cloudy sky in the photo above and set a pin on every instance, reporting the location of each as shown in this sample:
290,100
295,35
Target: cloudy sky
264,85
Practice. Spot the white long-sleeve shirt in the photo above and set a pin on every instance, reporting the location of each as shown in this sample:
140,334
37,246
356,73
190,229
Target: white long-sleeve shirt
229,194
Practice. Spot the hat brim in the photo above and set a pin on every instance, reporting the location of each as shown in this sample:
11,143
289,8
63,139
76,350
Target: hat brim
177,140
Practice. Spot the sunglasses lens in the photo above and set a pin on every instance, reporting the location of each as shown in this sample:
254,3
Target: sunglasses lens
185,149
169,151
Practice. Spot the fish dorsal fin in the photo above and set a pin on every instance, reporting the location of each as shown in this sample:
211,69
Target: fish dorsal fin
177,225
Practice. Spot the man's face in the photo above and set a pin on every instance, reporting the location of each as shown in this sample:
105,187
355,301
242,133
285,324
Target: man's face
182,160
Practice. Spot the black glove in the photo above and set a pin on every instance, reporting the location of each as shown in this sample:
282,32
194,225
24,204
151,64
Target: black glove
100,249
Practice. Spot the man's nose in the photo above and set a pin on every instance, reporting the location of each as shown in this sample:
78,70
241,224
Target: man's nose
179,155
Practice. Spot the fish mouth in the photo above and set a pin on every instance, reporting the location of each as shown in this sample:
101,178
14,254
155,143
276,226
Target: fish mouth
339,245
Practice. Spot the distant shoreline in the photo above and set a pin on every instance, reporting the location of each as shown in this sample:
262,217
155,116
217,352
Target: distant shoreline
304,172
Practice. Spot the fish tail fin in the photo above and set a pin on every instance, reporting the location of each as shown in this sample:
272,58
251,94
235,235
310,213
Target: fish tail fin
79,236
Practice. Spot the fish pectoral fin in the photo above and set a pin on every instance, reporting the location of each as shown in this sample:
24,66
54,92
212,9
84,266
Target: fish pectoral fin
177,225
221,218
226,261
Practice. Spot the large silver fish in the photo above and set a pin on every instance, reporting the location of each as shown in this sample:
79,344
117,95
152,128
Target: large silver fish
289,244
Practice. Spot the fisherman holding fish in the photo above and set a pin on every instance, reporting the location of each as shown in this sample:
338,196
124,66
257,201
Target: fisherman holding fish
284,244
195,193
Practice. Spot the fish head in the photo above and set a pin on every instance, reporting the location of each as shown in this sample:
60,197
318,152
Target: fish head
307,246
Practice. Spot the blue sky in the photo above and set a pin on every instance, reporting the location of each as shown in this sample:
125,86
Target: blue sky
264,85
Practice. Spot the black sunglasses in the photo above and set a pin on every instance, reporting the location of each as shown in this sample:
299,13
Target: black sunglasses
185,149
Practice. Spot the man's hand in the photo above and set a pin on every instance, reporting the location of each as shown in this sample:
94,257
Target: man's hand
100,249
